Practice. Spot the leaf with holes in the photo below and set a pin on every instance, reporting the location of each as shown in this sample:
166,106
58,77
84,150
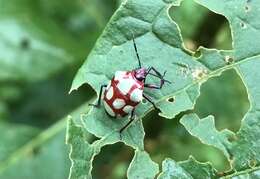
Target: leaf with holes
160,45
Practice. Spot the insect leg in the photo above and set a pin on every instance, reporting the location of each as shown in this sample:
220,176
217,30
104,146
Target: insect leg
158,75
132,117
99,97
153,86
156,86
150,101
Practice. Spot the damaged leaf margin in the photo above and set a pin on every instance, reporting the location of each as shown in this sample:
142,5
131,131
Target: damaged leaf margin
152,25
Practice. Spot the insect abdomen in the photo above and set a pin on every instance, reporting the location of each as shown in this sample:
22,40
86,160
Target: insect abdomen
122,95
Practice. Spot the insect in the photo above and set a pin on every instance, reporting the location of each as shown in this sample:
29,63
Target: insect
126,90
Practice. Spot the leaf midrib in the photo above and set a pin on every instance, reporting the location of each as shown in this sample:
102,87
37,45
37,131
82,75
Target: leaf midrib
203,80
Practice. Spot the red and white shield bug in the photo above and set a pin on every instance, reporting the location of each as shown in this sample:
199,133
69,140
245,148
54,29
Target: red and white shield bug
125,91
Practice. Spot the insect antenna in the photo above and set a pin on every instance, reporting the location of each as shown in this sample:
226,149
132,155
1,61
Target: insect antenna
136,52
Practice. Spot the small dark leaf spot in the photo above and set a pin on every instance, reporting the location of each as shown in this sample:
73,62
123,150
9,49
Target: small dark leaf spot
247,8
252,163
35,151
199,73
243,25
232,138
25,43
229,59
171,99
144,101
222,174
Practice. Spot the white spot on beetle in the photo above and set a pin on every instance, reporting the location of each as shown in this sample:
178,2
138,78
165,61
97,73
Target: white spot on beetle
119,75
136,95
125,85
127,109
110,93
118,103
108,109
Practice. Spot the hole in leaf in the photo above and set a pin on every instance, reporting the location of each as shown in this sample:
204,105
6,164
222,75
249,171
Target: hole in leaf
113,161
205,28
152,125
243,25
229,59
226,98
247,8
168,138
171,99
252,163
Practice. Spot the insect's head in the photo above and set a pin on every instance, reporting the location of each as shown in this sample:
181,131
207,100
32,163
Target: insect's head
140,73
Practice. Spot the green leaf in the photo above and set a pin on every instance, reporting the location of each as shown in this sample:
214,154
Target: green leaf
150,22
82,153
137,169
105,59
244,25
14,132
32,40
183,15
188,169
113,49
21,45
204,129
42,156
250,174
172,170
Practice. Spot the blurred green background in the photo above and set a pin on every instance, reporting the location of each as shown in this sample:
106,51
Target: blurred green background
43,43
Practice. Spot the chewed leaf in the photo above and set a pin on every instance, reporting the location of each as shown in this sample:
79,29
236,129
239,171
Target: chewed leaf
249,135
141,166
82,153
197,169
150,24
172,170
243,17
190,169
246,60
182,101
102,64
205,130
99,123
159,45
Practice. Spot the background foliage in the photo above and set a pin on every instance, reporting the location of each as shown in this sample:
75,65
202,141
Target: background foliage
43,43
